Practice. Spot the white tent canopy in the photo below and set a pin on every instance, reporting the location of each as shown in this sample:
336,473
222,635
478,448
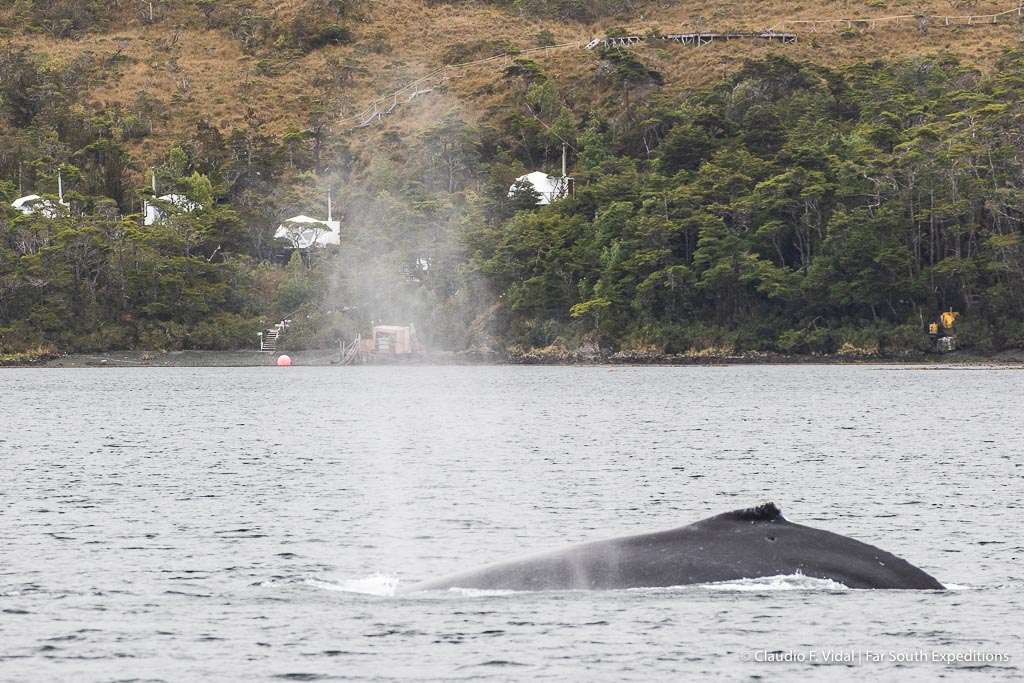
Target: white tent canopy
156,214
33,203
304,232
550,188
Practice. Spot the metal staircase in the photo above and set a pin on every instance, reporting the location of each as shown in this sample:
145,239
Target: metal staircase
268,338
269,341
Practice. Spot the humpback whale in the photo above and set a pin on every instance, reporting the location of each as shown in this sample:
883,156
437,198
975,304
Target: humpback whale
744,544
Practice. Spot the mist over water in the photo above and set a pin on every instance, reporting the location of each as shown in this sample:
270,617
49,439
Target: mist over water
254,523
406,250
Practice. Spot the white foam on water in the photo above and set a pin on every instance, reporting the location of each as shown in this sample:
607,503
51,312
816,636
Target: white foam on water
785,582
385,585
791,582
482,593
375,584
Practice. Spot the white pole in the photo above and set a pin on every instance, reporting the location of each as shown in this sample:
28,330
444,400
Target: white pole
328,205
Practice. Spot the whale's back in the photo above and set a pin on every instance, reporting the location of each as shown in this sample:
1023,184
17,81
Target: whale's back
744,544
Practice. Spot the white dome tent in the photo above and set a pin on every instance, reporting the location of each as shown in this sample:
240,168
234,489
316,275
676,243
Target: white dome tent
155,213
305,232
550,188
33,203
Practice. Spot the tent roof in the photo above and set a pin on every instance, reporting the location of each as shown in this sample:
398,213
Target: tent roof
303,231
156,214
21,201
179,201
549,187
303,219
33,203
537,178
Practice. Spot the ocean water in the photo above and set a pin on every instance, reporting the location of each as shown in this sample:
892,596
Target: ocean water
178,524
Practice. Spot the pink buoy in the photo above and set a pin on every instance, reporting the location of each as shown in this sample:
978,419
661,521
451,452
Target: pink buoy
284,360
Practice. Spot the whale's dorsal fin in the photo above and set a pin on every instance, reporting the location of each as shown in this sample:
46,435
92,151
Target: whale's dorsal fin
762,512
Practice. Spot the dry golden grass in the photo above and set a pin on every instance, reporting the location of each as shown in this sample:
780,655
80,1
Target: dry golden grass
201,75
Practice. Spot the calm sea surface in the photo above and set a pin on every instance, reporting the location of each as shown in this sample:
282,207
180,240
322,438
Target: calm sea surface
173,524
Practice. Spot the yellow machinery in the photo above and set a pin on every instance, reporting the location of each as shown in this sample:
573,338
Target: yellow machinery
943,332
947,319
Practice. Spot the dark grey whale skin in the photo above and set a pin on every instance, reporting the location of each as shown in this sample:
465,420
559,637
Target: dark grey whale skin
744,544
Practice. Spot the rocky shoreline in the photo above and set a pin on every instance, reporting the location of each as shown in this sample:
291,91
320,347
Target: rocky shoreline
324,358
757,358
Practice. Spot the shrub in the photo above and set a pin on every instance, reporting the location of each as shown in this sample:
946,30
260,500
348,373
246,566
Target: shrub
458,53
224,332
808,340
109,337
305,35
975,334
159,335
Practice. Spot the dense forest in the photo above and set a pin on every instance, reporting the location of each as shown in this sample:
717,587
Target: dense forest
787,206
792,208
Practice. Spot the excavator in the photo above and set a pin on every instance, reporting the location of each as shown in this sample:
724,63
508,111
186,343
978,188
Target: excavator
943,333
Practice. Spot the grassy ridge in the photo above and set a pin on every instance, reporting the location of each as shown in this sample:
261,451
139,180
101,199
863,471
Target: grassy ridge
190,68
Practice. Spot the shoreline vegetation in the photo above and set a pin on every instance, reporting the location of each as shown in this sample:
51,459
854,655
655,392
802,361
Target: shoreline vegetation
815,201
325,358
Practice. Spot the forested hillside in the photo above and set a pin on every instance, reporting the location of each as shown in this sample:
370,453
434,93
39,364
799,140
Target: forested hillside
830,196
